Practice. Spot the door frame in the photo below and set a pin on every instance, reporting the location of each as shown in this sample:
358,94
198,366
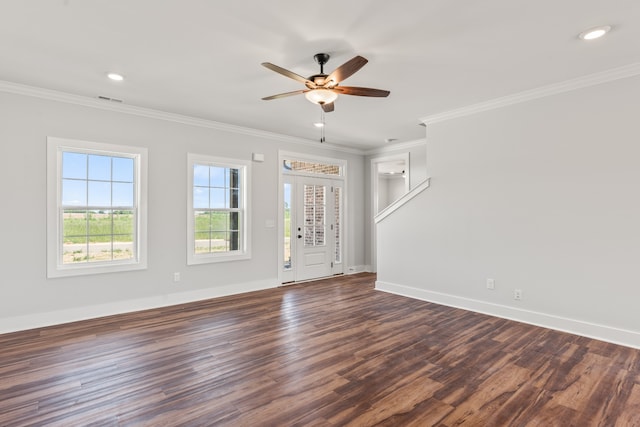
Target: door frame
289,155
374,197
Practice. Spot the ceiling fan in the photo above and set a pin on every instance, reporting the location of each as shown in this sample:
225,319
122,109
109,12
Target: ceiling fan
323,88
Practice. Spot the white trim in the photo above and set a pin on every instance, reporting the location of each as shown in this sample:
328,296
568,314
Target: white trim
55,268
355,269
53,95
591,330
396,147
544,91
402,200
40,320
245,208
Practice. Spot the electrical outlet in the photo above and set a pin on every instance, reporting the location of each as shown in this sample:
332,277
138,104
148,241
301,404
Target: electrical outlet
517,294
491,284
176,276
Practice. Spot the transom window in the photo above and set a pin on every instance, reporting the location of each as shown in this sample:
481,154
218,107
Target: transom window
95,221
217,209
310,167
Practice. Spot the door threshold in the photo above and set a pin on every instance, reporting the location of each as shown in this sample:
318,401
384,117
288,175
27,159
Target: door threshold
310,280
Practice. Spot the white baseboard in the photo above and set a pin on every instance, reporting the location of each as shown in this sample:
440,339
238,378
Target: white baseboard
355,269
591,330
39,320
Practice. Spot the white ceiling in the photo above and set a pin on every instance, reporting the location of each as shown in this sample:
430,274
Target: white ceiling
201,58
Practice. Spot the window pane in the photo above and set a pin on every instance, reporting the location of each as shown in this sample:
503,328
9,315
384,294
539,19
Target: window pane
308,194
74,192
319,215
74,226
200,197
202,242
99,193
308,215
122,169
202,221
308,236
319,236
100,226
234,240
337,219
234,178
219,242
122,194
218,198
123,225
320,190
74,165
217,177
311,167
234,221
219,224
287,226
73,253
235,199
201,175
99,250
123,247
99,168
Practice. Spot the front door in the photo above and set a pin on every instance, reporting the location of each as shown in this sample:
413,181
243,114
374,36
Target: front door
315,227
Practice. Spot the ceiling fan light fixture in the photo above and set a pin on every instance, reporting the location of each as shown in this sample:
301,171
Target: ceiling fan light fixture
321,96
595,33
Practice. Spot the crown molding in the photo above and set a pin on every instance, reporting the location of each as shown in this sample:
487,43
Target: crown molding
541,92
85,101
396,147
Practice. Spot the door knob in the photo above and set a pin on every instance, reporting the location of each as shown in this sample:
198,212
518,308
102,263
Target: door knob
299,236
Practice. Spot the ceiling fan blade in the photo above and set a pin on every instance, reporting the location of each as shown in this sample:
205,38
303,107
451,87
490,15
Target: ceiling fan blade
287,73
283,95
361,91
345,70
327,108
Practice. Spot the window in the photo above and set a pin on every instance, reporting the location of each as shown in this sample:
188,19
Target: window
316,168
217,210
96,216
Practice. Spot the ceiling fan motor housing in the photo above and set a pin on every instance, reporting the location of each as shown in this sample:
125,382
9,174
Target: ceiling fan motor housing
321,58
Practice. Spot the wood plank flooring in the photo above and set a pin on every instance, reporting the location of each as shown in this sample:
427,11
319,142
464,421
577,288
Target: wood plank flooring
328,353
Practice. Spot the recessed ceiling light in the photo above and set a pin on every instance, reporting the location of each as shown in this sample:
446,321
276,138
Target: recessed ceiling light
595,33
116,77
318,124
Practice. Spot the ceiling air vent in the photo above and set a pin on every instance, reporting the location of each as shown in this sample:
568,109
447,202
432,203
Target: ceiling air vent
106,98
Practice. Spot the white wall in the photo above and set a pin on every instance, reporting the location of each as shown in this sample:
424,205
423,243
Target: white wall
541,196
390,189
395,188
28,299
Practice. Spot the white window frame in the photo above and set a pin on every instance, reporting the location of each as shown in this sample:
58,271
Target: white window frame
245,225
55,148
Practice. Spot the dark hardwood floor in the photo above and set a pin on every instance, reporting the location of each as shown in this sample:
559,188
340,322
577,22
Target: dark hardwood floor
332,352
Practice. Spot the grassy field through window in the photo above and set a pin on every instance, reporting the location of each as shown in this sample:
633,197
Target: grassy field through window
90,236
